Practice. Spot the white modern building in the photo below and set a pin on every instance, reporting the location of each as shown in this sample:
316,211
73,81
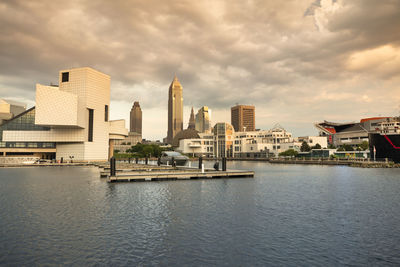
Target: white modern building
202,146
225,142
69,121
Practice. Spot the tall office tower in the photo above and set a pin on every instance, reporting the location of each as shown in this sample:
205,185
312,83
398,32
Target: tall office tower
136,118
175,109
243,118
203,120
192,123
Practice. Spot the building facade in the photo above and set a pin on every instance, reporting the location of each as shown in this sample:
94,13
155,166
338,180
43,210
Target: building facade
9,109
352,133
131,140
175,109
225,142
243,118
224,135
70,121
136,118
203,120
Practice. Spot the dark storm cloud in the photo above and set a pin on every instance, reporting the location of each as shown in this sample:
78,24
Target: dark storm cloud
222,51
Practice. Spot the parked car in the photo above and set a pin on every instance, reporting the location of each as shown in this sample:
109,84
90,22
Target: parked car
179,159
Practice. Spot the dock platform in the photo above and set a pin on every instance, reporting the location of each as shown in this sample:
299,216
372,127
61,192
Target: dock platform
176,174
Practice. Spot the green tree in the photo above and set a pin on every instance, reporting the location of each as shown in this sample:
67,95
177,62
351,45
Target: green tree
305,147
144,150
331,146
289,153
364,145
317,146
346,147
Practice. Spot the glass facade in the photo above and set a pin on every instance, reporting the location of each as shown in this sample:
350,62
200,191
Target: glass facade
24,122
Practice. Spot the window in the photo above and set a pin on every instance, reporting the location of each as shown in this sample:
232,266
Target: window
90,128
106,113
65,77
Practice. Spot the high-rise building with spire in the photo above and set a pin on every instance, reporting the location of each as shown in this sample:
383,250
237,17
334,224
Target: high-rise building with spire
175,109
192,122
136,118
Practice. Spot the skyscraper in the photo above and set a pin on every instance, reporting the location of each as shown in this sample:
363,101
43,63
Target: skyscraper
175,109
192,123
243,118
203,120
136,118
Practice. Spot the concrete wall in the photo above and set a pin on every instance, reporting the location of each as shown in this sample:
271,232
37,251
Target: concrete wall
16,160
55,107
54,135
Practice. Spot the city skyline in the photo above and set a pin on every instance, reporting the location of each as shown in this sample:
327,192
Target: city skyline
298,62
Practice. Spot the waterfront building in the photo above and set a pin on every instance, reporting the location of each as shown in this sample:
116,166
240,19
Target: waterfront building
175,109
203,120
250,144
9,109
69,121
352,133
136,118
123,145
192,123
202,146
224,134
243,118
185,134
313,140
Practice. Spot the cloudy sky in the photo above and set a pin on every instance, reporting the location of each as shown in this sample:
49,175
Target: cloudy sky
298,62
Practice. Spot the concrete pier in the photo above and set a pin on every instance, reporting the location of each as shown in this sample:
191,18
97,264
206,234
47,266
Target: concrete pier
177,175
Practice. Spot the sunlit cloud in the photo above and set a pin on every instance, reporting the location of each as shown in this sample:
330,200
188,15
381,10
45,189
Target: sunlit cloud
297,61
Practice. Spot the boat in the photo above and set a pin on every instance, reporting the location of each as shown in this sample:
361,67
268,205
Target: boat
384,140
29,162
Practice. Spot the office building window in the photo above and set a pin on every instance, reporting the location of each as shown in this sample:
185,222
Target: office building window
106,113
65,77
90,128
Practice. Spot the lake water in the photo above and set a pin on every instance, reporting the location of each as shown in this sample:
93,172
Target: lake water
287,215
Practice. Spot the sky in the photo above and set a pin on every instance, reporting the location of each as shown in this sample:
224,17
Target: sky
298,62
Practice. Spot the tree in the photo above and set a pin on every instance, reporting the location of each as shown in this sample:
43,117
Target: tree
144,150
289,153
305,147
364,145
346,147
331,146
317,146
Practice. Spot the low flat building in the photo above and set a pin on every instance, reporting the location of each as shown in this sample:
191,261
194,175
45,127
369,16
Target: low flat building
131,140
69,121
196,147
225,142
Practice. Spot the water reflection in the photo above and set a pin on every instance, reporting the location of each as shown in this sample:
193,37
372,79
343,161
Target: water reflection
286,215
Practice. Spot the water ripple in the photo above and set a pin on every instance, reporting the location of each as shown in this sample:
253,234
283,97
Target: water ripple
287,215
